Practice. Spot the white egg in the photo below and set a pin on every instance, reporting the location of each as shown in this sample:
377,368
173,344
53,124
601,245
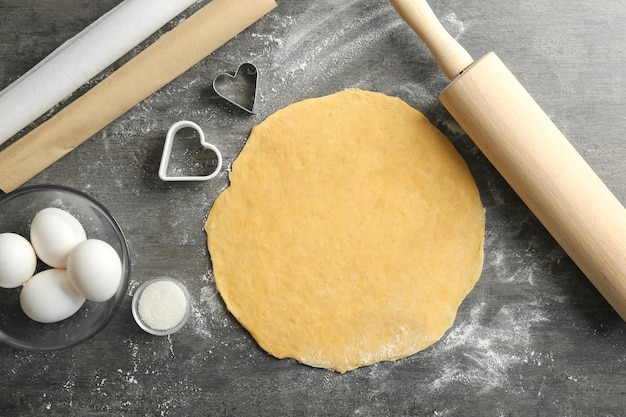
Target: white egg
95,269
49,297
17,260
54,233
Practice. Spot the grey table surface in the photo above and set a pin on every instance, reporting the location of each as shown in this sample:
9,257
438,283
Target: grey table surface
534,338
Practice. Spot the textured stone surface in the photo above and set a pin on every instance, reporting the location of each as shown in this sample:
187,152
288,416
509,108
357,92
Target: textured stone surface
533,338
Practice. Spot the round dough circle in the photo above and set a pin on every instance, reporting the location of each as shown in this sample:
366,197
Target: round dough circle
350,233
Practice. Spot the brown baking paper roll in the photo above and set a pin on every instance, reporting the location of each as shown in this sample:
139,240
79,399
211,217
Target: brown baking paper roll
156,66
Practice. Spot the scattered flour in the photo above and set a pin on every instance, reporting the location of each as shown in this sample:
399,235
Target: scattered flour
483,350
314,47
453,25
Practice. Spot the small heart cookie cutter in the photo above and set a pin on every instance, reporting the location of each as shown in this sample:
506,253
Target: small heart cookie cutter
167,153
238,88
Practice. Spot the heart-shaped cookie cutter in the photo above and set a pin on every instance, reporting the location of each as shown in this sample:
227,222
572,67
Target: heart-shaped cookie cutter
238,88
167,153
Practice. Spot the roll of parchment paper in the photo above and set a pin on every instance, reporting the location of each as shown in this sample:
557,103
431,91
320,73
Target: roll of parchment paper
160,63
81,58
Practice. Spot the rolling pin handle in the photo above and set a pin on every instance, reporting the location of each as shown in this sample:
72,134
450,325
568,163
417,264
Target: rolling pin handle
451,57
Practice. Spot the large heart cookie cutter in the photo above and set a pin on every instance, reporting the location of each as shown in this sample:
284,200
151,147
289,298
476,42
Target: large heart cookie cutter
238,88
167,153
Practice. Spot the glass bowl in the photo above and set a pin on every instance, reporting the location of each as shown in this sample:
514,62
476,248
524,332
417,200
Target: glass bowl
17,209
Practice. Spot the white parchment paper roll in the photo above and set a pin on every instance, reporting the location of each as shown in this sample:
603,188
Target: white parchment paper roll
81,58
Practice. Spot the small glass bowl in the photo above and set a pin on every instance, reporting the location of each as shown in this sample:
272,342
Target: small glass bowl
145,326
17,210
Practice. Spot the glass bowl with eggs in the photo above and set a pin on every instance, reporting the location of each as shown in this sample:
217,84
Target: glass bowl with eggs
64,267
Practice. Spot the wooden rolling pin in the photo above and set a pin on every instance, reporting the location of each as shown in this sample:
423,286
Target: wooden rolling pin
532,155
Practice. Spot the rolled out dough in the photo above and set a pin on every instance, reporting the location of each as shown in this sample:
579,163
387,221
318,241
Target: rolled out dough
350,233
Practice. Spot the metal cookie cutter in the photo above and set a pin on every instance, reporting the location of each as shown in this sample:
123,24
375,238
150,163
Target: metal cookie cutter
238,88
167,153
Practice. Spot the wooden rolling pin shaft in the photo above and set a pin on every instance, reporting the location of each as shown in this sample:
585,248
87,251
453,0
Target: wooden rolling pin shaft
532,154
